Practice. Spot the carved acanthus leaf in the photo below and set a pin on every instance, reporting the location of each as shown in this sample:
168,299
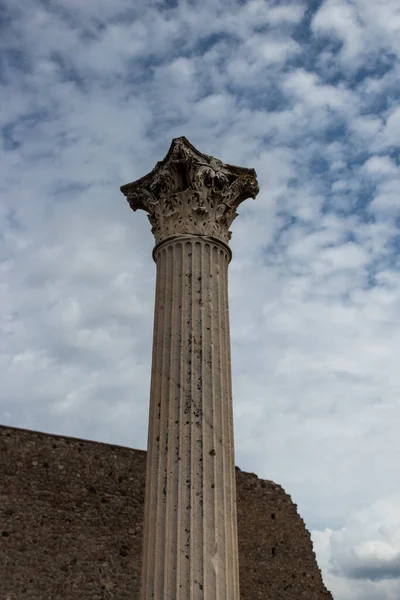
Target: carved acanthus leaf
191,193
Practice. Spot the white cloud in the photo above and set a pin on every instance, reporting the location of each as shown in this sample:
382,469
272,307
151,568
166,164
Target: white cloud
343,20
365,128
316,104
362,559
381,166
365,29
291,13
390,134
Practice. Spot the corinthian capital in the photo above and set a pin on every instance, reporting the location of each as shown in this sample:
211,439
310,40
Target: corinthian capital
191,193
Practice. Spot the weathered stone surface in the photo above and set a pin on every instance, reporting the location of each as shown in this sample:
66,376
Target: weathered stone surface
71,518
190,539
191,193
190,525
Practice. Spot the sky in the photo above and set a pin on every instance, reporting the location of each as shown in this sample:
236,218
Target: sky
307,93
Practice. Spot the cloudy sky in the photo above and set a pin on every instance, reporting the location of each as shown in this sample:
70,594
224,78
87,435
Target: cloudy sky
307,93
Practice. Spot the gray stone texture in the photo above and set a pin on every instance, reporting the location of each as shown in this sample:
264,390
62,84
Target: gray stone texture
71,520
189,192
190,523
190,539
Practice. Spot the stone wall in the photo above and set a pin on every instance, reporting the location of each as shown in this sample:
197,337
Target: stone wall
71,525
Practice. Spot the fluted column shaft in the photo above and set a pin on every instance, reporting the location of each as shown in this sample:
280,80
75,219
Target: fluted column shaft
190,537
190,533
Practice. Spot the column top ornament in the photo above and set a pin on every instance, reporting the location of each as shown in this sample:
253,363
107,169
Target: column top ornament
191,193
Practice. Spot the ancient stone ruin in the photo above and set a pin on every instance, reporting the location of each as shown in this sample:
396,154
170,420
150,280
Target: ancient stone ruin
71,525
190,527
76,521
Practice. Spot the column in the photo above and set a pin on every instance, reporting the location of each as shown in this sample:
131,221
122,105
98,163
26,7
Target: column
190,549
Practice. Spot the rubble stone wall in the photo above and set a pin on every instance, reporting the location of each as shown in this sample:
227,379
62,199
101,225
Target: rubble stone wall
71,514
